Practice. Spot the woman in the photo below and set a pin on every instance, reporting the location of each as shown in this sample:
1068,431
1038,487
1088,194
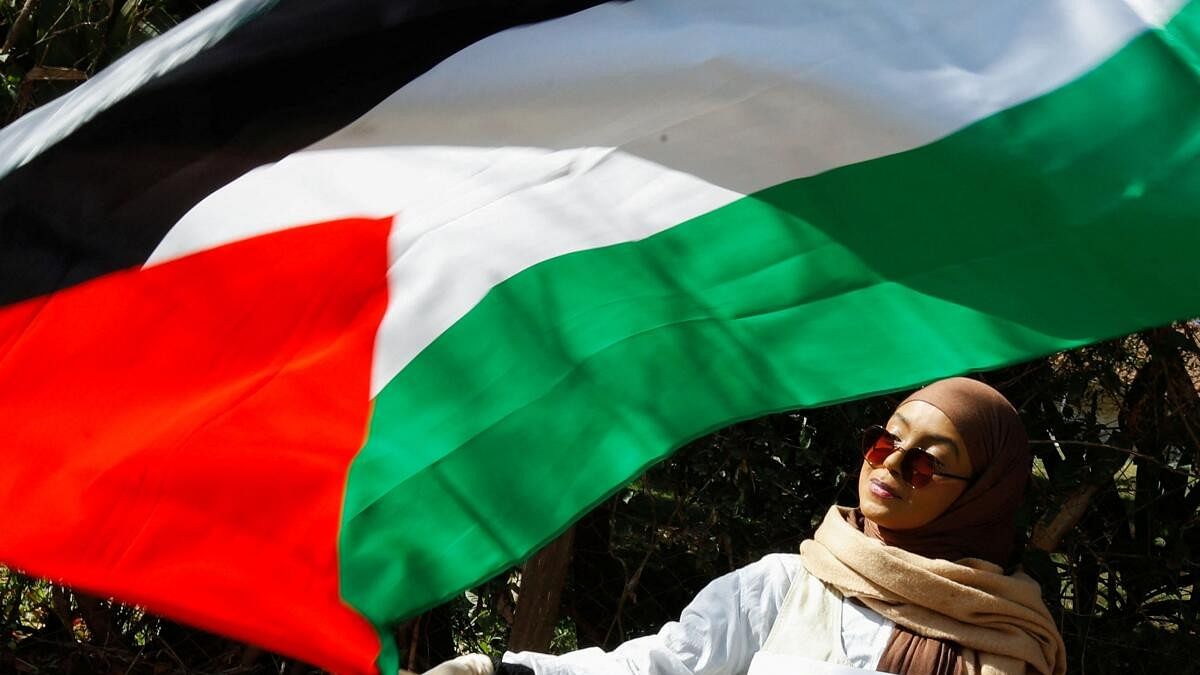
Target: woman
921,578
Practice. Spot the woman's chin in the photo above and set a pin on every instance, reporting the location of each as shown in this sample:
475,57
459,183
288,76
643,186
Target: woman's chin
877,511
892,514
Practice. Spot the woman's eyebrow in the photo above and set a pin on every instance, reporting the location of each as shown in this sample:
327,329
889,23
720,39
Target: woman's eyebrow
942,440
931,439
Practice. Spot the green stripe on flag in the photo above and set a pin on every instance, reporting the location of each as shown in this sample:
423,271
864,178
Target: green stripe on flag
1062,221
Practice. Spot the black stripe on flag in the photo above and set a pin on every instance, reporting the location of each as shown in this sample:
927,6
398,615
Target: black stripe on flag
102,198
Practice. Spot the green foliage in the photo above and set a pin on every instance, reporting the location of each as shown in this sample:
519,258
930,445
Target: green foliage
721,502
1126,418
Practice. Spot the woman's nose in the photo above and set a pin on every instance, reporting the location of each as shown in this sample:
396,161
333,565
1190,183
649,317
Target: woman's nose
894,461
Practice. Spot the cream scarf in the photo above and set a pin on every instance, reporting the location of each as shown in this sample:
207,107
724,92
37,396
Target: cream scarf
999,620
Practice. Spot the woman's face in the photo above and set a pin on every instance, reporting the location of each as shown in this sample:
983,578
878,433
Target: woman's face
883,495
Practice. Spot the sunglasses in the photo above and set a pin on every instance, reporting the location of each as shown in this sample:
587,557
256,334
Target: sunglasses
917,466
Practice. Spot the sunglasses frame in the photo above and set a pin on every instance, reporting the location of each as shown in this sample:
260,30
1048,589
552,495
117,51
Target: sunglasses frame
877,431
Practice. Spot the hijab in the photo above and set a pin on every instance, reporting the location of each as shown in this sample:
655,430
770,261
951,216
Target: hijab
1006,625
981,523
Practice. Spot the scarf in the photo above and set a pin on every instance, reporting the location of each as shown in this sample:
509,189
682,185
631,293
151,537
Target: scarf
998,619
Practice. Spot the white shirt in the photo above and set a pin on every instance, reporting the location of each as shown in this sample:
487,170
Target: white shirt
719,632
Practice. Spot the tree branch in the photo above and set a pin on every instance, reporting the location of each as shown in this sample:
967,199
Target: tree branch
1049,532
18,26
1132,453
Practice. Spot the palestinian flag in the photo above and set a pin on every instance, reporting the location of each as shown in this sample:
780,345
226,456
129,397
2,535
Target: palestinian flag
316,312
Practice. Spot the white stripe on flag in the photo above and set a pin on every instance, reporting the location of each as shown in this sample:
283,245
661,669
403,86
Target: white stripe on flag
704,101
751,94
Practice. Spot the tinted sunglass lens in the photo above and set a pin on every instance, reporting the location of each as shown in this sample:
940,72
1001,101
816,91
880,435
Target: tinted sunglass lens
919,468
877,445
916,467
878,455
869,436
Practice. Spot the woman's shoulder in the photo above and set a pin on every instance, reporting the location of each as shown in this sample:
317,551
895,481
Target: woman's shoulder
789,563
772,574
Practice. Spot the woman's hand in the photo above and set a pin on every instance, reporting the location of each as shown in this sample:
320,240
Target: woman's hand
467,664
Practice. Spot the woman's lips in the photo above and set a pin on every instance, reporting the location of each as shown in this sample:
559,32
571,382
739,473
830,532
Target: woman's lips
882,491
